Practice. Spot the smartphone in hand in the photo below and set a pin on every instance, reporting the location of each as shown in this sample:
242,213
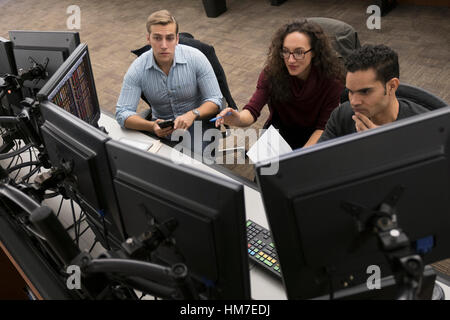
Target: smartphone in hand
166,124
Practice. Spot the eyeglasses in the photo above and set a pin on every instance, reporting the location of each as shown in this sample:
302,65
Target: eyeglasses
298,54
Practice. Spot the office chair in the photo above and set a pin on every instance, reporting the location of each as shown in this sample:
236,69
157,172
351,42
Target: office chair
415,94
420,96
343,36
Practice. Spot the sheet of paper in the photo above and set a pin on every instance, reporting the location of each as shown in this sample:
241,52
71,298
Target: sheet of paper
137,144
270,145
155,147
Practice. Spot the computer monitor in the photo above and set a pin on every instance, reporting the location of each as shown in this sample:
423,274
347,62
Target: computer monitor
50,48
7,62
210,238
8,66
77,150
72,87
316,237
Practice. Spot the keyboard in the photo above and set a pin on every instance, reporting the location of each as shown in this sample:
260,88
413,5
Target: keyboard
261,248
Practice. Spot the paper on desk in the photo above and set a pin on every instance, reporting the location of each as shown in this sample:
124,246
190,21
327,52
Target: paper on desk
137,144
270,145
155,147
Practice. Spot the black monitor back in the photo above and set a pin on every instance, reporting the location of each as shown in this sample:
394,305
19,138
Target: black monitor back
8,66
316,238
210,237
39,45
80,149
7,62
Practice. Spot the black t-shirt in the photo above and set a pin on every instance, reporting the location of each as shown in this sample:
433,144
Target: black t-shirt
341,123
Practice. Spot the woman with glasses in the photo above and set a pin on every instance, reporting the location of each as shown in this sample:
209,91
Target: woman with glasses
301,82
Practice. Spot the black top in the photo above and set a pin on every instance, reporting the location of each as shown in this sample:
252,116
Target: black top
341,122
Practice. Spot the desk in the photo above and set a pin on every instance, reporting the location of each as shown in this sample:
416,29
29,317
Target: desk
263,286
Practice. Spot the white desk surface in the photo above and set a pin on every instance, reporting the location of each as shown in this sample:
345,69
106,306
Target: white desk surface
263,286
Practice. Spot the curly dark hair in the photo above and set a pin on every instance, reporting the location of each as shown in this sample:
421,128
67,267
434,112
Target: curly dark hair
325,59
380,57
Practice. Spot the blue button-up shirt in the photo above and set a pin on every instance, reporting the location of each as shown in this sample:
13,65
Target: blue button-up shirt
190,83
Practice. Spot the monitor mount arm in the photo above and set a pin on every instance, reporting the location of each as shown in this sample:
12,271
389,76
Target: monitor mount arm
406,265
23,126
171,282
13,83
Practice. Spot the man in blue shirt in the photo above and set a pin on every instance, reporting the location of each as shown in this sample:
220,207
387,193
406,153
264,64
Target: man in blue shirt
177,80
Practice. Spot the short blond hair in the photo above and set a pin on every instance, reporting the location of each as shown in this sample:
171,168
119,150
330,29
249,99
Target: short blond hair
162,17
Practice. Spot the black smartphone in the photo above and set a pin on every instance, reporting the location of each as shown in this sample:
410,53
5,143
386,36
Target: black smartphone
165,124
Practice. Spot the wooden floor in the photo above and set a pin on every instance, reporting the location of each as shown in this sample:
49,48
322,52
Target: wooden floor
241,36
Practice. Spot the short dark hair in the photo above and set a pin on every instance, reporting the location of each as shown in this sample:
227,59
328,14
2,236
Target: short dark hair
380,57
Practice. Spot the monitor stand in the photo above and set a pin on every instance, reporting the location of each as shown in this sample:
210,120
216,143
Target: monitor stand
389,290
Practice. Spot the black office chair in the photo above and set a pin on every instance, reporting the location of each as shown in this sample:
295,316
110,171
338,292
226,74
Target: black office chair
420,96
415,94
343,37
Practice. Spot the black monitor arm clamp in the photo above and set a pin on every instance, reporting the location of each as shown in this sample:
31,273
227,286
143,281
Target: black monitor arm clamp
407,266
14,83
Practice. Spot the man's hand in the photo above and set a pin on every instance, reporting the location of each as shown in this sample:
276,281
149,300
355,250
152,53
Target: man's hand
229,116
184,121
362,123
161,132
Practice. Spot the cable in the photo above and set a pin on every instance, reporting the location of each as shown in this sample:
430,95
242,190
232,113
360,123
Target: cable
93,245
23,164
81,218
60,206
84,231
105,233
31,159
51,195
34,232
29,175
74,220
15,153
16,146
142,295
